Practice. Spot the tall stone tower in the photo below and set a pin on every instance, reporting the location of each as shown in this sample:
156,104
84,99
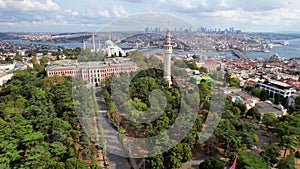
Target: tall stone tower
167,57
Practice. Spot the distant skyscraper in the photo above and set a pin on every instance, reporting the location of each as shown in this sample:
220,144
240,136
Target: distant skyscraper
167,57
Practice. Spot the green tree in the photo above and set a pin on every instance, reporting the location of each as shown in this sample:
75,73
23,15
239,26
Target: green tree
178,154
155,162
9,153
236,111
288,142
234,82
73,163
44,60
270,153
287,163
203,69
249,161
36,65
242,107
269,119
38,157
263,95
256,91
297,103
212,163
254,113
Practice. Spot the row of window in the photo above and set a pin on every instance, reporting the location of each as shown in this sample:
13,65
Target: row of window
112,69
277,91
62,73
94,73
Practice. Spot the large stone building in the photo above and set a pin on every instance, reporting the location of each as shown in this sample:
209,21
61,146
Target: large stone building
92,72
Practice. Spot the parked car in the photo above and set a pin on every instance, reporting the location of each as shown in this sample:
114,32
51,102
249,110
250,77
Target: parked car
253,147
265,134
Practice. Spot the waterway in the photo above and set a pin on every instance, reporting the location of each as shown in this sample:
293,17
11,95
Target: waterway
289,51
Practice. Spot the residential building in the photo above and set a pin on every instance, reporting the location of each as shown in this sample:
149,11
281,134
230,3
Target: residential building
238,96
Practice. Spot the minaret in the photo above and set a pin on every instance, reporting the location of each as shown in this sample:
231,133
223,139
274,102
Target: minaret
84,46
167,57
94,45
99,45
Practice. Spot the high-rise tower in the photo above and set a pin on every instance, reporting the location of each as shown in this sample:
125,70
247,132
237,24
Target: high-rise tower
167,57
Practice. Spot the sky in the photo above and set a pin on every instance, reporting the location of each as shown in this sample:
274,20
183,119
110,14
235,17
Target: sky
97,15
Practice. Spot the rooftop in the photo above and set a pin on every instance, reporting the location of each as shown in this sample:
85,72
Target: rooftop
243,95
265,107
60,64
279,83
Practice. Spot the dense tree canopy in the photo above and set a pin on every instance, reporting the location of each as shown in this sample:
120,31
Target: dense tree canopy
212,163
39,126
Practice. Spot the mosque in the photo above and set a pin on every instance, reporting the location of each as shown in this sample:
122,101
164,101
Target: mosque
108,49
111,49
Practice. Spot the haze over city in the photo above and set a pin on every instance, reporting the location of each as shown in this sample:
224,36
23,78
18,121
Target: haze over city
91,15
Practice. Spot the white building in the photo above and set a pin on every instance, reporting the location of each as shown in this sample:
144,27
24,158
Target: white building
237,95
7,67
110,49
275,87
4,77
291,100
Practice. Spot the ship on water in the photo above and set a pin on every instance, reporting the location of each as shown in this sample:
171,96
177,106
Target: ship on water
285,43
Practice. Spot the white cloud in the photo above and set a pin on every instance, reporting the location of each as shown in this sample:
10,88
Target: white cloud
104,13
96,13
256,14
2,4
73,13
119,11
29,5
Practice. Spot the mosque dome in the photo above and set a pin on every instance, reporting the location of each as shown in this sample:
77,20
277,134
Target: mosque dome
109,43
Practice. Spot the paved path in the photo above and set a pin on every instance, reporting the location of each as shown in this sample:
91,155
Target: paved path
112,144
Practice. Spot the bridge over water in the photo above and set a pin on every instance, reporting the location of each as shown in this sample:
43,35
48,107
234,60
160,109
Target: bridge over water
239,54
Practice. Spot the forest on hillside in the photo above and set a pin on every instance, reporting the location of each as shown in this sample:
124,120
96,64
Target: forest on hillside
39,126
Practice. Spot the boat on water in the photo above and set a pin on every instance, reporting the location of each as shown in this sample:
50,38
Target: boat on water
285,43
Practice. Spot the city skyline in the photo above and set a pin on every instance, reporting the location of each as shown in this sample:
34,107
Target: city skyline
92,15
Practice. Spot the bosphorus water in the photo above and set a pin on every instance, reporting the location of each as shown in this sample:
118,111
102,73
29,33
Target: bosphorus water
289,51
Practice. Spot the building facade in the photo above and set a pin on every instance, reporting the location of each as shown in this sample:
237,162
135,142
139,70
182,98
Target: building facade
92,72
277,88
